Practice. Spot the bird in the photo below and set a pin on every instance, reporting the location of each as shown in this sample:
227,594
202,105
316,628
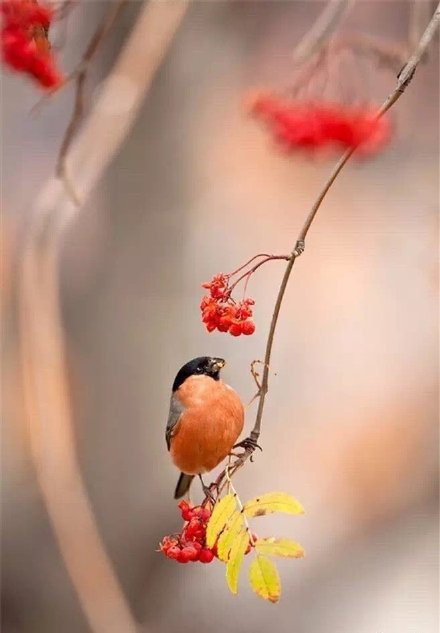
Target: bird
205,420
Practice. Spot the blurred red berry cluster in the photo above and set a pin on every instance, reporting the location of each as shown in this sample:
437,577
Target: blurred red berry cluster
190,544
220,312
25,46
317,124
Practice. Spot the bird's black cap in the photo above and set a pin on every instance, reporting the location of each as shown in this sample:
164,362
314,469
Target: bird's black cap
200,366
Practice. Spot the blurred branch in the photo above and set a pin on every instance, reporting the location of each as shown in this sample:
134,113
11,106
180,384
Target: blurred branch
387,53
420,10
80,77
322,29
42,346
403,80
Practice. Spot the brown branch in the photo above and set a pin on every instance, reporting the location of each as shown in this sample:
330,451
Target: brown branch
403,80
41,336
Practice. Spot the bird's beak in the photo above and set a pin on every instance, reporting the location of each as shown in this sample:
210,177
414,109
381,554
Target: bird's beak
217,364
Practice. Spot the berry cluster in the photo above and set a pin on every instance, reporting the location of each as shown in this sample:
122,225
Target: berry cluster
220,312
190,544
319,124
25,46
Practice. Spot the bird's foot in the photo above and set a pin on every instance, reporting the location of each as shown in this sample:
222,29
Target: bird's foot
249,444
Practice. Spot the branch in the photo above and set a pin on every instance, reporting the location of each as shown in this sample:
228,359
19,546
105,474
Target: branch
420,10
322,29
41,336
403,80
80,76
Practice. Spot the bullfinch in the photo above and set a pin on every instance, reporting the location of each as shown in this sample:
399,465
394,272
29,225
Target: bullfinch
205,419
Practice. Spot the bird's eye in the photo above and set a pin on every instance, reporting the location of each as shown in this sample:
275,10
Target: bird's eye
199,370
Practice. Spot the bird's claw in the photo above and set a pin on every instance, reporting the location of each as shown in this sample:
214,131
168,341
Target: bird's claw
249,444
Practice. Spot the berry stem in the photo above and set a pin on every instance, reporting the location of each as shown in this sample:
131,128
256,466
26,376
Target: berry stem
240,506
249,262
267,258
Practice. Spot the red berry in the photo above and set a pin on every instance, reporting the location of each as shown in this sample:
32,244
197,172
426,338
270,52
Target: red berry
190,552
235,329
248,327
174,552
224,324
205,514
186,510
167,542
183,556
196,545
194,530
206,555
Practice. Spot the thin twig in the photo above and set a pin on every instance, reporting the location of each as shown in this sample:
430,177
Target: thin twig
255,374
403,80
237,270
251,271
41,335
321,30
387,53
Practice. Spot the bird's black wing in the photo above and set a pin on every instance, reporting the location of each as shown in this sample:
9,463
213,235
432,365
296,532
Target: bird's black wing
176,410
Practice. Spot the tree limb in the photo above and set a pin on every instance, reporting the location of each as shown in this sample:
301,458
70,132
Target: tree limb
80,77
41,336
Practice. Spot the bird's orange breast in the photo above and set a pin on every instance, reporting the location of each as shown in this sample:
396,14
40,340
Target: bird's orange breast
209,426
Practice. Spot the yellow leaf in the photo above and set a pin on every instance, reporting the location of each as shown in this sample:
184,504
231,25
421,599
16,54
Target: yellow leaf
272,502
264,579
235,561
228,536
223,510
279,547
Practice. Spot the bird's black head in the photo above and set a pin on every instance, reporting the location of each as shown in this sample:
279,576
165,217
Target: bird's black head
201,366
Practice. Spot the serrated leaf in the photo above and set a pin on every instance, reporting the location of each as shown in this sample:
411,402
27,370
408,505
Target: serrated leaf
272,502
279,547
228,536
264,578
236,556
223,510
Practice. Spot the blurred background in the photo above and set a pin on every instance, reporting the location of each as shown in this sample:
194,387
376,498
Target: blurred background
350,425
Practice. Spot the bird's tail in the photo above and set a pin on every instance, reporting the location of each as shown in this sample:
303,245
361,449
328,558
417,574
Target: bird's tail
183,485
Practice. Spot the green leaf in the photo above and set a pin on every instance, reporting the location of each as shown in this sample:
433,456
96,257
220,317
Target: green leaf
264,578
235,561
223,510
229,534
279,547
272,502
